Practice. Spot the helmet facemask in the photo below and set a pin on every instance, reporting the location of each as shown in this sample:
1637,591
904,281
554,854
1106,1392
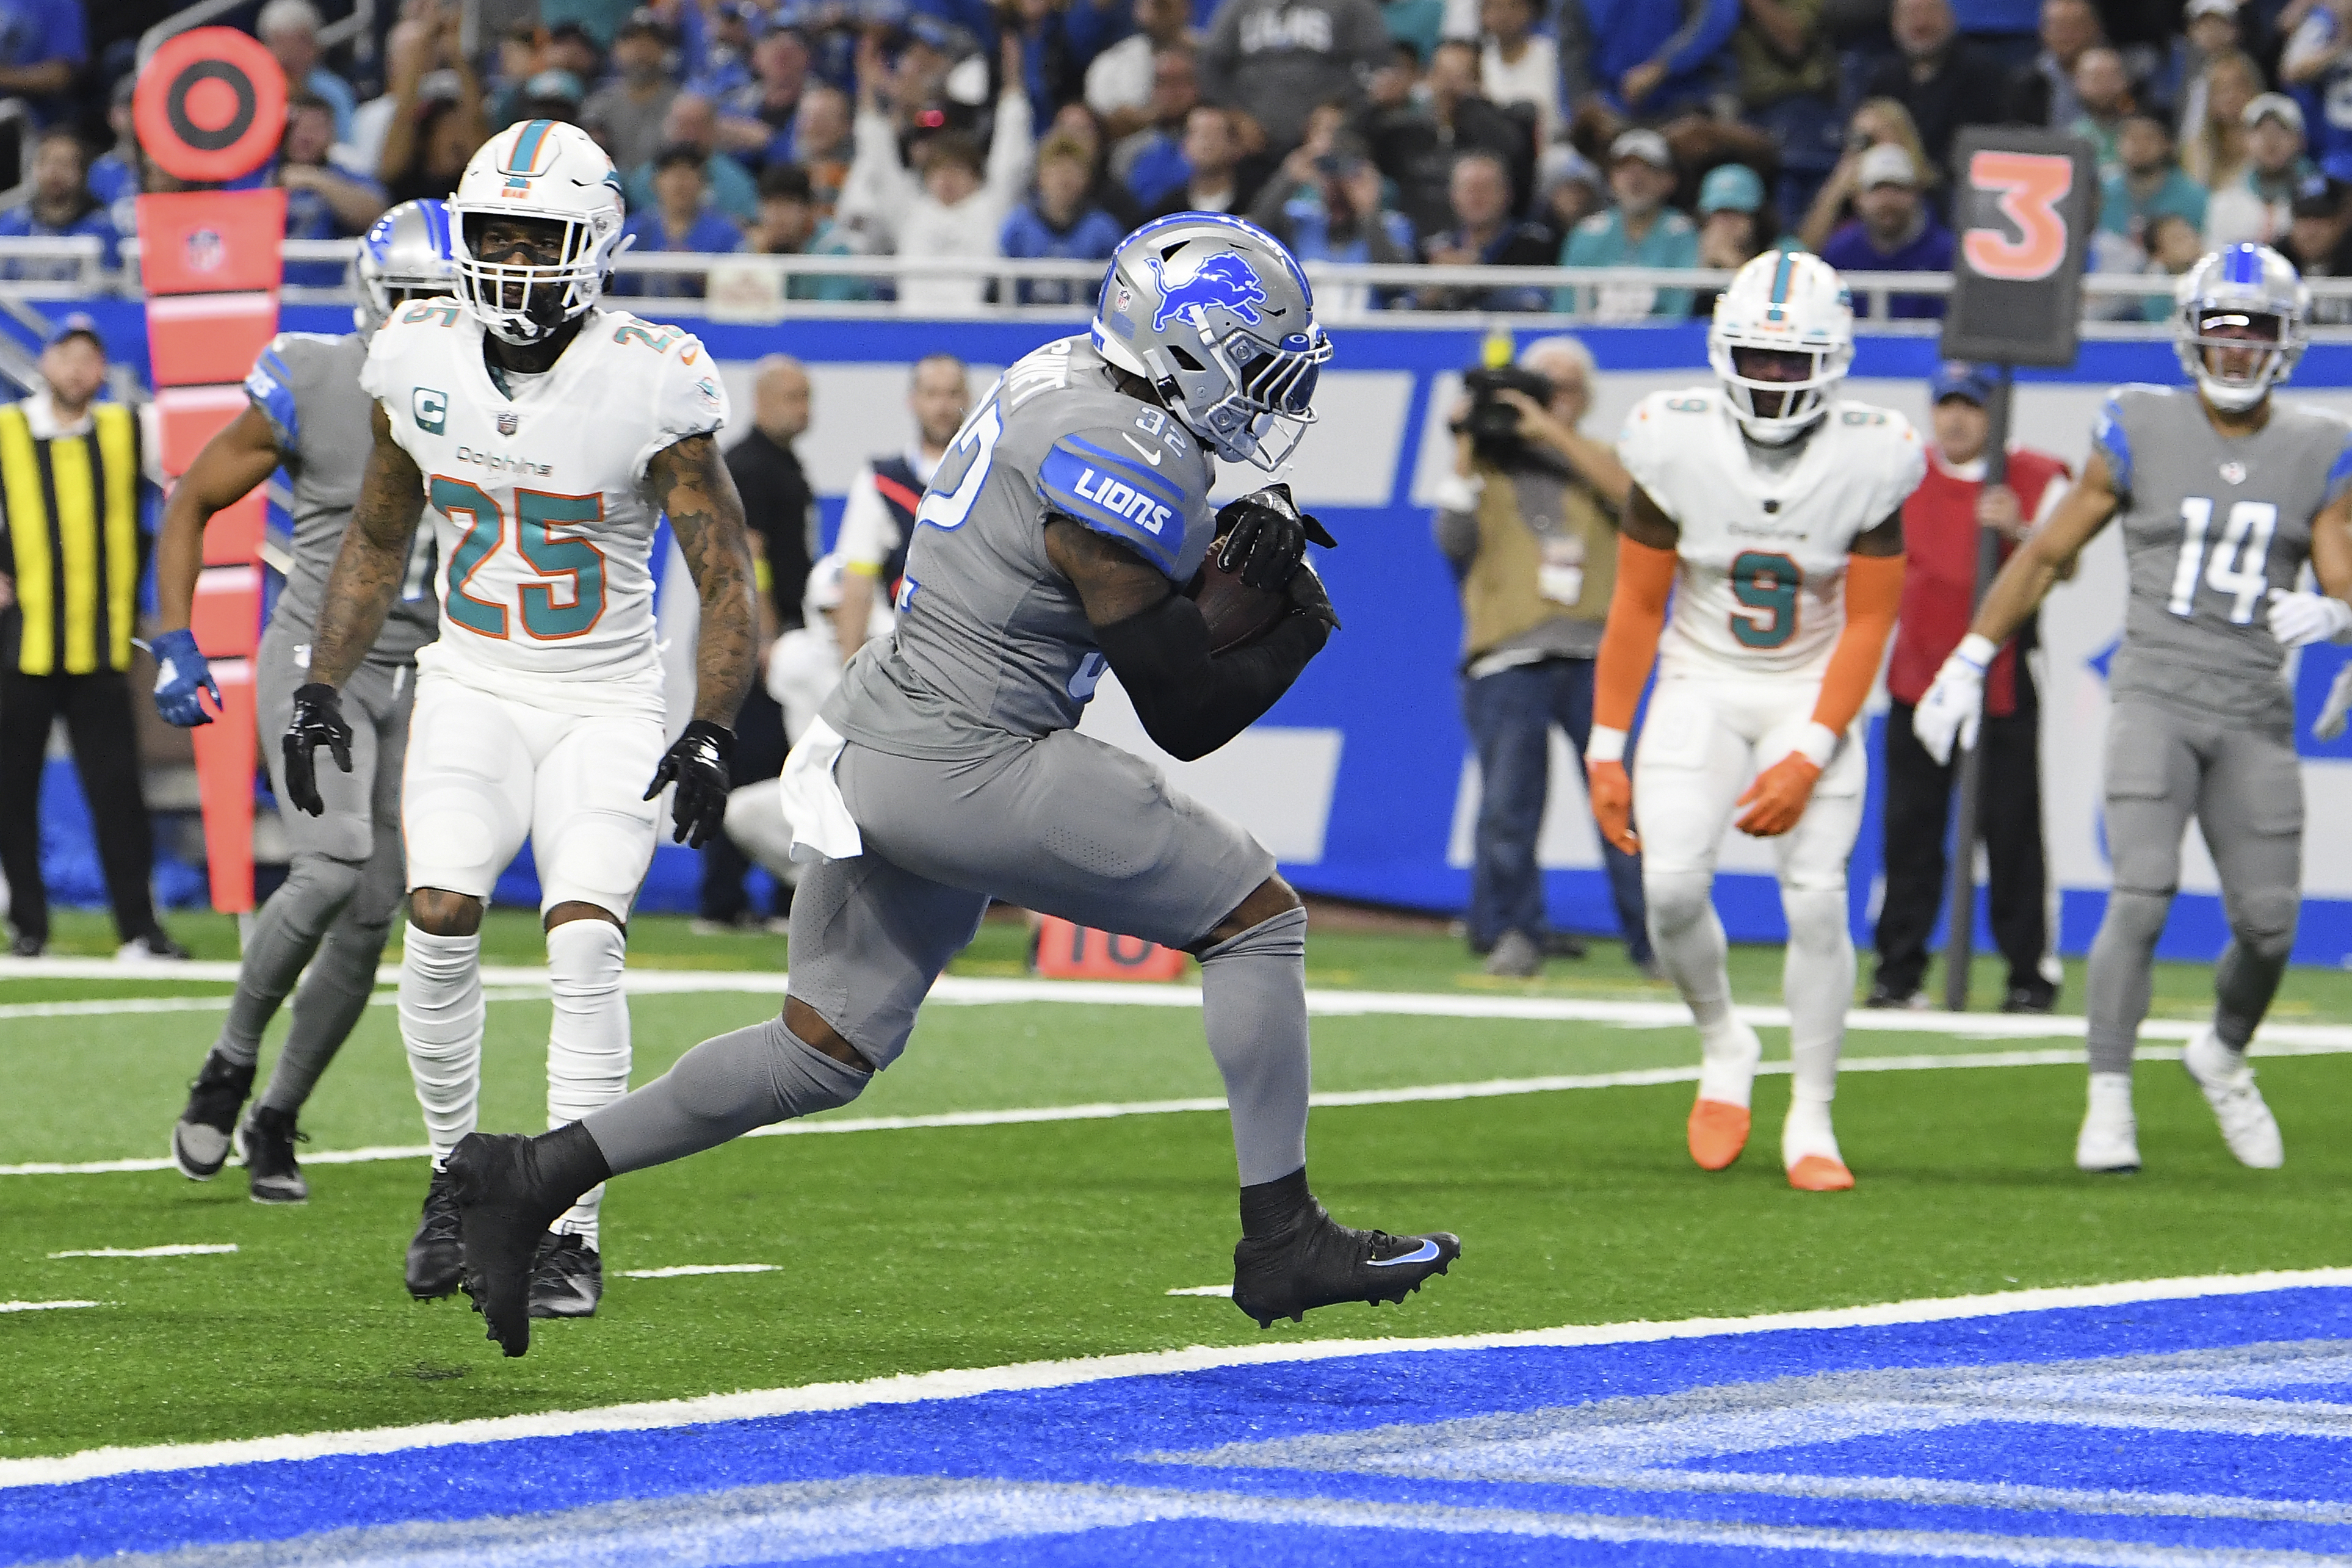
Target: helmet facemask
551,272
1269,402
2237,355
1777,391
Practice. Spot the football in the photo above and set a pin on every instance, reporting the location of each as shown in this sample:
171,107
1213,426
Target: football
1236,613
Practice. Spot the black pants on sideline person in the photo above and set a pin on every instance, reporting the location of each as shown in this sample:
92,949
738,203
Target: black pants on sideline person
1919,812
760,751
97,711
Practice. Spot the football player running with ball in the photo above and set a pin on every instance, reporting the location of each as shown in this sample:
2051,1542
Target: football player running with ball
548,435
308,415
946,767
2223,494
1772,512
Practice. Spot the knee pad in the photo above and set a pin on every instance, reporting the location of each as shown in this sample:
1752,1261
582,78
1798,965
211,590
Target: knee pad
766,1071
1816,917
1676,900
2137,917
600,860
2263,924
323,885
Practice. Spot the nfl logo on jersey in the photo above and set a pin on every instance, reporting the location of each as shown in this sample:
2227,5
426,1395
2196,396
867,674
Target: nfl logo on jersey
508,423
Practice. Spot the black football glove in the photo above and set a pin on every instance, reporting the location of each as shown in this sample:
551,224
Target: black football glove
318,721
701,763
1264,536
1307,598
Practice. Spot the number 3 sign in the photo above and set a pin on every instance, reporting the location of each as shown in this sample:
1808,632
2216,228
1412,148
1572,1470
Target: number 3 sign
2024,209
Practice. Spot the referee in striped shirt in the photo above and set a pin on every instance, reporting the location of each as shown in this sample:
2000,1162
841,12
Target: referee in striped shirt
71,554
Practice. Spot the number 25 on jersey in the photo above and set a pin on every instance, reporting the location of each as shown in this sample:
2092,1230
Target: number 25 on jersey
573,567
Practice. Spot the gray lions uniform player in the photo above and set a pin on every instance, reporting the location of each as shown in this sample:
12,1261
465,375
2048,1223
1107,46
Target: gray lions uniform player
308,414
2223,494
946,769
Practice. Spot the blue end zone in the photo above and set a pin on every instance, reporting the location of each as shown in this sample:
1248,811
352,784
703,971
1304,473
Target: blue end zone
2180,1431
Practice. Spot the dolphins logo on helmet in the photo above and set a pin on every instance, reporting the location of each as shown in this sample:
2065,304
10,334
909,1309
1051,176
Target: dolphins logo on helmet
1224,280
1232,348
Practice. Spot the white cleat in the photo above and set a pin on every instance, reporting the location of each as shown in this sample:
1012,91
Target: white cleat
2109,1141
2247,1124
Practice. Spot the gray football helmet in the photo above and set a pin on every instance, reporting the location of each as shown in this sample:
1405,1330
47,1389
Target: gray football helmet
2253,291
1215,313
405,253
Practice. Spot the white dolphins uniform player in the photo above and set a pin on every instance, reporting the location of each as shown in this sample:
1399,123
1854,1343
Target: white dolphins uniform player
548,435
1773,511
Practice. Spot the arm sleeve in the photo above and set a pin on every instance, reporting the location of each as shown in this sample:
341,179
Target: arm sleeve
1874,591
1101,485
1629,644
1191,704
270,385
693,400
2110,440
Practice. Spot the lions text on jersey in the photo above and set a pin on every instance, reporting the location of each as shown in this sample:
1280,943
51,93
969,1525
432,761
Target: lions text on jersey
546,542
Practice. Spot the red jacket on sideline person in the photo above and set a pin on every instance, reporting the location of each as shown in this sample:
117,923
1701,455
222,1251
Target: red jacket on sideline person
1939,546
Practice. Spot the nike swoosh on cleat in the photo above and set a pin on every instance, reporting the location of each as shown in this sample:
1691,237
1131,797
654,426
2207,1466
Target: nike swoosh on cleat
1421,1254
1148,454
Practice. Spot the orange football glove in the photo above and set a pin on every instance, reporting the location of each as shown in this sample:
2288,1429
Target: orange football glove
1779,796
1612,804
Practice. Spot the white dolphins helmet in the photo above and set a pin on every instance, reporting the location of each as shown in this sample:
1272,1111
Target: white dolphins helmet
1781,303
2249,287
553,173
404,254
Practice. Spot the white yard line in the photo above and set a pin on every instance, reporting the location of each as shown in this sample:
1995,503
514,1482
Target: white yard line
181,1250
45,1306
1409,1095
126,1005
914,1388
1225,1291
683,1269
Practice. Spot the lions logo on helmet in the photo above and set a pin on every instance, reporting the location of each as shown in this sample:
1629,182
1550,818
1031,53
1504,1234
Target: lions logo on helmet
1781,338
406,253
553,179
1229,342
2243,309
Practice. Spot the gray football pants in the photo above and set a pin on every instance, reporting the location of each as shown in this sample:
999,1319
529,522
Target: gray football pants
1064,825
2244,786
345,878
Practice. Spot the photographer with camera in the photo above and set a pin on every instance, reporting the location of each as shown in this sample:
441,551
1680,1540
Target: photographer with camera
1528,520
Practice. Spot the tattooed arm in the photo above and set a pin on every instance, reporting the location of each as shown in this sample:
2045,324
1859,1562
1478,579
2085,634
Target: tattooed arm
689,481
375,555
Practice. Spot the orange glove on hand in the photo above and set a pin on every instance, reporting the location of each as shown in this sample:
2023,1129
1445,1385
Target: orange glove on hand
1779,796
1612,804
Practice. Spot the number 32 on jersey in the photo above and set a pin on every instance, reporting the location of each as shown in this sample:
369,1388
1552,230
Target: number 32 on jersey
570,601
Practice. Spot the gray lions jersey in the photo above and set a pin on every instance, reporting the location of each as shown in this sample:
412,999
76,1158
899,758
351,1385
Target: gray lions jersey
992,645
308,385
2211,524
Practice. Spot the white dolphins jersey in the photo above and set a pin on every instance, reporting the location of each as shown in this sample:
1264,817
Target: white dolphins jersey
1759,587
546,544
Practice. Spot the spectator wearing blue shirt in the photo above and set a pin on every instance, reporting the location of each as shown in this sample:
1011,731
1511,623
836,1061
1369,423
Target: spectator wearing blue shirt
1324,205
2147,183
1638,230
114,173
2318,60
677,219
1646,57
718,45
791,225
290,28
1152,161
1058,220
1894,232
755,121
692,121
322,202
62,206
1485,235
43,44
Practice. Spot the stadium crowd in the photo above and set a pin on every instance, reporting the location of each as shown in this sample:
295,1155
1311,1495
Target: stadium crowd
1509,132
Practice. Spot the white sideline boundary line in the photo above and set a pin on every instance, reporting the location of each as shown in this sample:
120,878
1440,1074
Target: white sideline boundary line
177,1249
968,1383
977,990
682,1271
45,1306
1411,1094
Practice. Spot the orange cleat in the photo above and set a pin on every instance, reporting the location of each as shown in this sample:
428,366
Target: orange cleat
1819,1173
1718,1130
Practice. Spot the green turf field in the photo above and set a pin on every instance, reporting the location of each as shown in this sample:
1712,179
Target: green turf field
909,1250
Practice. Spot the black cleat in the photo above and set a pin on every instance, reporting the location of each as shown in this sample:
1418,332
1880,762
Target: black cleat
510,1188
267,1141
2038,997
1318,1262
435,1261
207,1127
567,1278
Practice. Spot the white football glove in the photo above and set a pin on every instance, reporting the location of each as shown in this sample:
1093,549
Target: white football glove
2299,619
2329,724
1954,705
